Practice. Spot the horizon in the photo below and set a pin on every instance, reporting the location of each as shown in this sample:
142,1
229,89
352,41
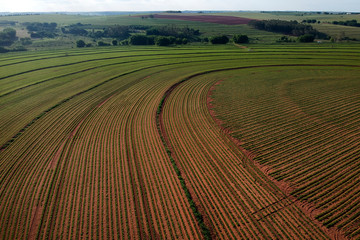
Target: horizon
52,6
180,11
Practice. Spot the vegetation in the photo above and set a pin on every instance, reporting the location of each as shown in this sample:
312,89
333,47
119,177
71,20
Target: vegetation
41,30
80,43
287,27
240,39
307,38
103,44
50,31
219,39
174,31
134,140
7,37
103,102
350,23
310,21
141,40
296,116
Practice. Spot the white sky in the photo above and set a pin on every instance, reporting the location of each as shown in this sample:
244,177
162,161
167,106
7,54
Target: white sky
154,5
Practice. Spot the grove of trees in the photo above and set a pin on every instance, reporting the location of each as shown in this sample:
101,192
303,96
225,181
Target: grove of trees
306,38
7,37
240,39
41,30
219,39
287,27
80,43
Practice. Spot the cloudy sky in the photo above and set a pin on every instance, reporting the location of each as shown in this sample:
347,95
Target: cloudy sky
153,5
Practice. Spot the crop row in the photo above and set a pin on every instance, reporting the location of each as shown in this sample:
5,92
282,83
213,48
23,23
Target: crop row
47,90
303,123
100,172
82,156
236,199
93,164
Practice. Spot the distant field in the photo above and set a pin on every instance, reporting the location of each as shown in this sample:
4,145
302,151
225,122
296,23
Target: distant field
338,31
207,29
227,20
328,28
209,25
299,16
122,143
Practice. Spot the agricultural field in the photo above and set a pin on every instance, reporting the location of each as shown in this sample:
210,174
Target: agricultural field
300,124
63,41
190,142
91,27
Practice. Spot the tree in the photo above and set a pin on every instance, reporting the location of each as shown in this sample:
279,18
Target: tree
7,37
10,33
120,32
103,44
114,42
306,38
80,43
3,50
284,39
163,41
240,39
25,41
219,39
141,40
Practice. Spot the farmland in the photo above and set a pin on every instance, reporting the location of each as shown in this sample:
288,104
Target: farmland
300,124
96,29
226,20
190,142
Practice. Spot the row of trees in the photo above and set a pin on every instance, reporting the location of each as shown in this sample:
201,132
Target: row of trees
139,39
350,23
287,27
223,39
119,32
310,21
124,32
172,30
37,26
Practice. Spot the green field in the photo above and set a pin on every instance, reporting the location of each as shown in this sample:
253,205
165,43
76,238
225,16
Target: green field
207,30
181,142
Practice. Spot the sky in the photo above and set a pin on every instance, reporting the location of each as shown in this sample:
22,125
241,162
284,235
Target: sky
162,5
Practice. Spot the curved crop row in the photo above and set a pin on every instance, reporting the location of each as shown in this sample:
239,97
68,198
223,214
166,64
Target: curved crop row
233,195
100,172
302,124
85,158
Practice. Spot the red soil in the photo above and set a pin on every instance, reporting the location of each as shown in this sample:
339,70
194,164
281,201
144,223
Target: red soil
227,20
35,222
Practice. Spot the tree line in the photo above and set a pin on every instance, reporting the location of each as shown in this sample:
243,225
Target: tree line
350,23
287,27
